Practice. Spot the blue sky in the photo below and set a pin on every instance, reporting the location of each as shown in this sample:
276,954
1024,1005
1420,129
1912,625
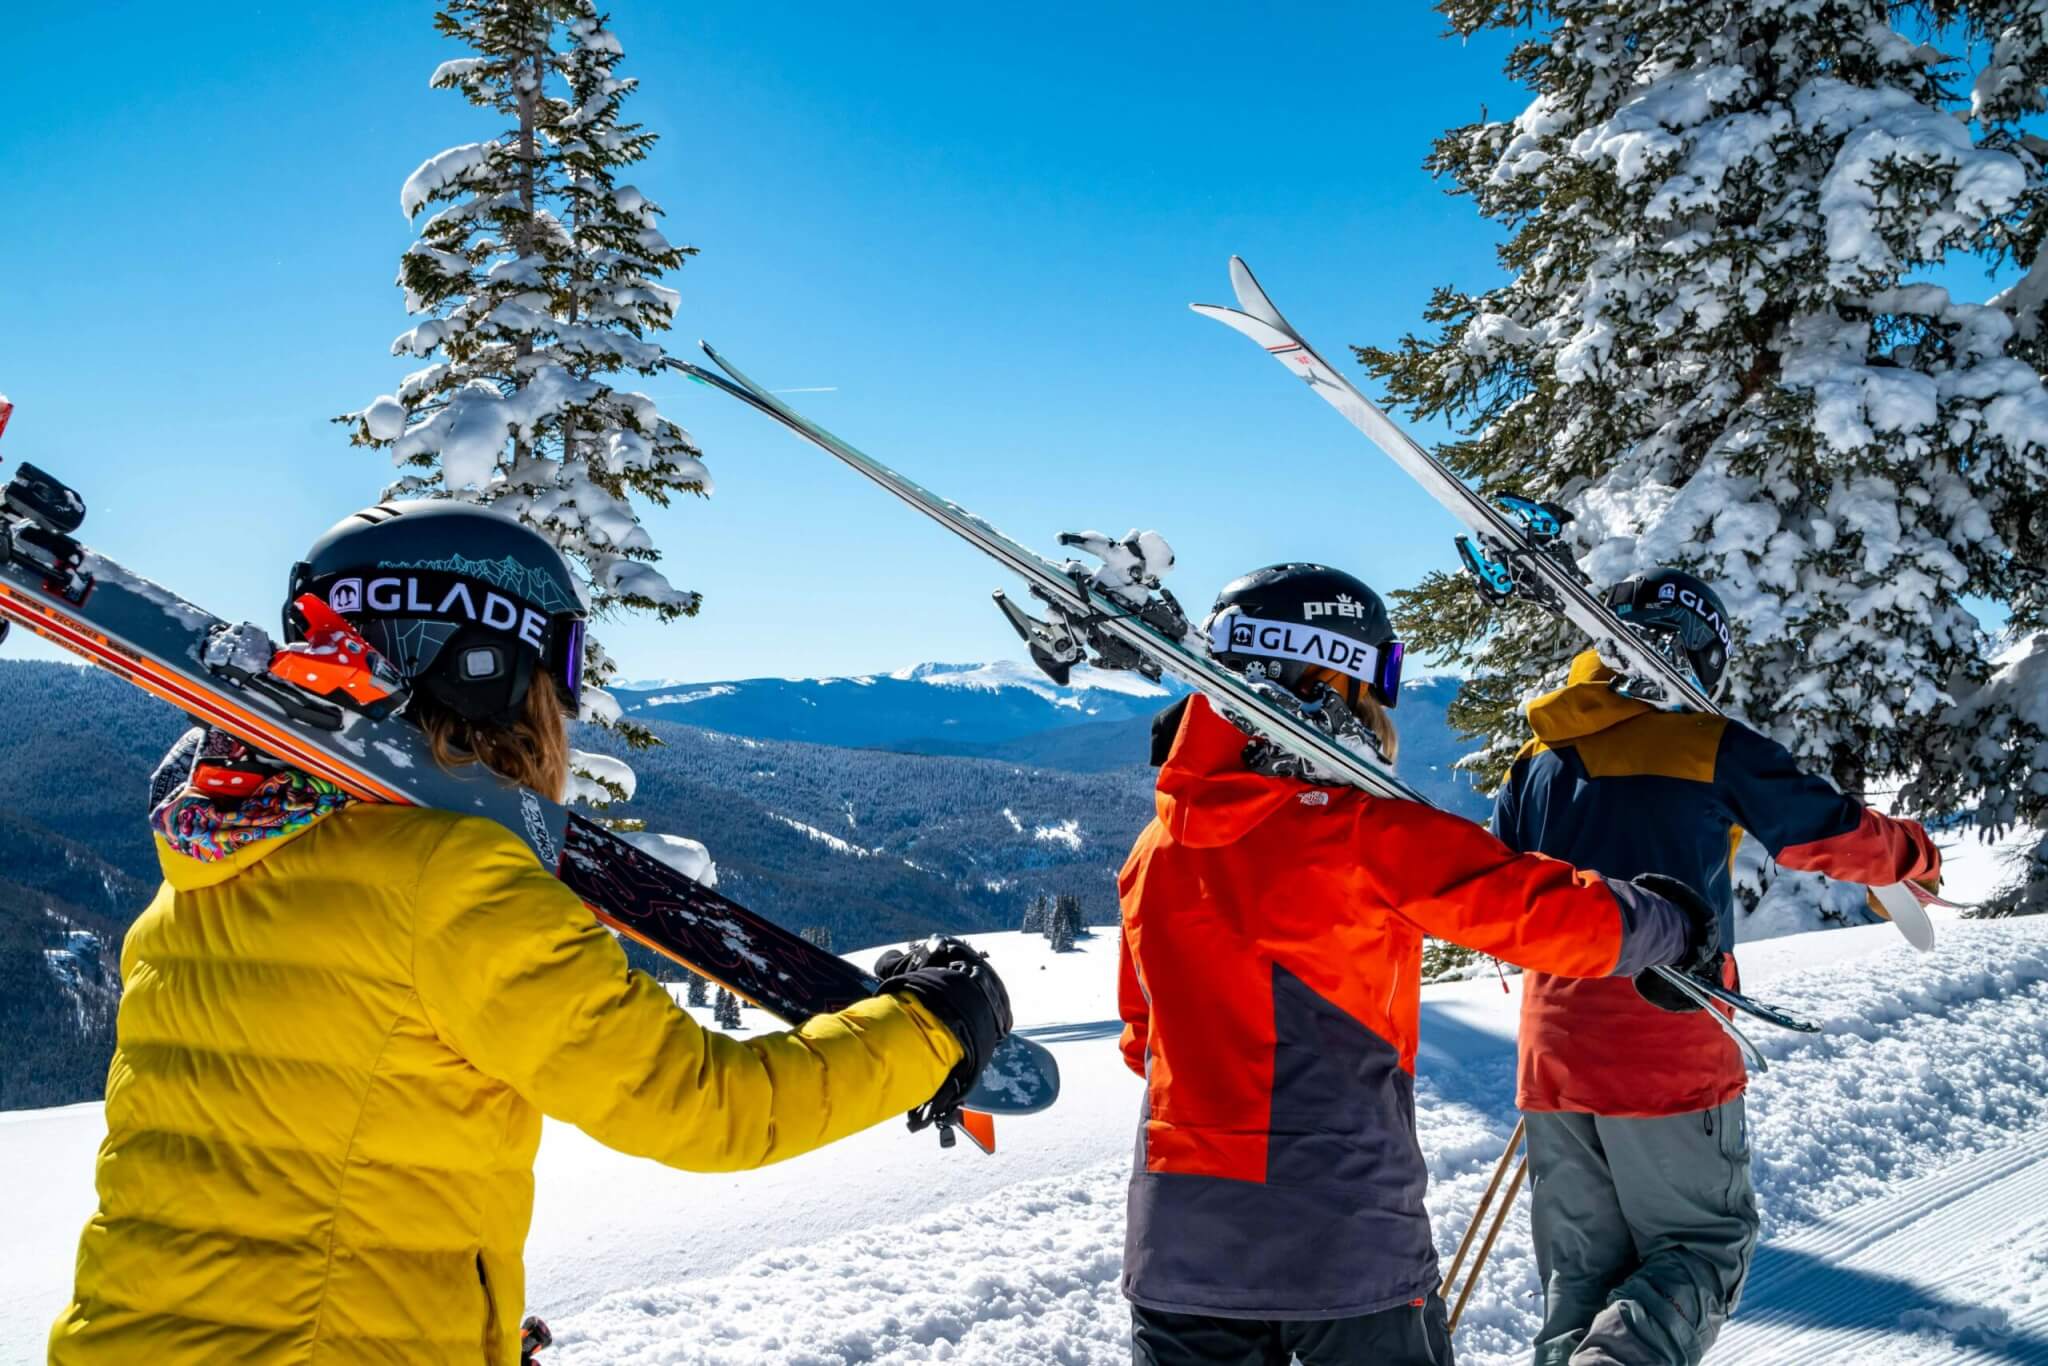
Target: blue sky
981,229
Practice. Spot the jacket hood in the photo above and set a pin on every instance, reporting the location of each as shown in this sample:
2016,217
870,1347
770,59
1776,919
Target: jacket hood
1587,703
1207,797
200,843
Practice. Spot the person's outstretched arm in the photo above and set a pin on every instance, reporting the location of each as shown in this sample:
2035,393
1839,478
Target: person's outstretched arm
1807,825
517,975
1455,881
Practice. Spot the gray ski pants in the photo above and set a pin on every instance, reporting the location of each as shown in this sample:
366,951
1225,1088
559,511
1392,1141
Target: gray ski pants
1644,1229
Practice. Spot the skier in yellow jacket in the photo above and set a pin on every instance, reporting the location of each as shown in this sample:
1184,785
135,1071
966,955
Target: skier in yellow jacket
342,1022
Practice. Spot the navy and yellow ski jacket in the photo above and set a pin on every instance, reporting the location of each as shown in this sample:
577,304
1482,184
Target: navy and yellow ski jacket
1613,783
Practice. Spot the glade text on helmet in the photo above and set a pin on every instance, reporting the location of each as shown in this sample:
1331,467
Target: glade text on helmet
402,593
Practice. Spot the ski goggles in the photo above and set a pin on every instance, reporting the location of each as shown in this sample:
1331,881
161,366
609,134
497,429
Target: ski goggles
1672,608
421,619
1377,666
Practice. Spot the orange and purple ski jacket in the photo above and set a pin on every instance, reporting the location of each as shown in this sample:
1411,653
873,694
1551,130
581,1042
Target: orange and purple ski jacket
1270,992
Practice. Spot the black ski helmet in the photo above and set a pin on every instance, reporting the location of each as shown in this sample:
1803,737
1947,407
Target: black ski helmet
1682,617
1289,618
464,601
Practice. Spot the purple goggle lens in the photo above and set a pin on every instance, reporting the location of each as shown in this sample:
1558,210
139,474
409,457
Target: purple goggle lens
1386,674
569,661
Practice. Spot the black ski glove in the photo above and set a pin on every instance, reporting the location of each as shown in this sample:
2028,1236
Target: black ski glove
1702,957
956,984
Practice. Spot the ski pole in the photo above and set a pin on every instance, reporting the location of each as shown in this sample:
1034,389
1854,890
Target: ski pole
1472,1230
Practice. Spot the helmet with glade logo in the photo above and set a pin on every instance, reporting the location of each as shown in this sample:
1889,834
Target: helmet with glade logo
467,603
1683,619
1287,619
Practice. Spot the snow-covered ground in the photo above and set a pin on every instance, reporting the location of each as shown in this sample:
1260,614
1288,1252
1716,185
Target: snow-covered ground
1901,1159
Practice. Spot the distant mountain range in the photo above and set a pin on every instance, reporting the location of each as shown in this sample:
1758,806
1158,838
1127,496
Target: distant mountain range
940,797
926,709
1011,712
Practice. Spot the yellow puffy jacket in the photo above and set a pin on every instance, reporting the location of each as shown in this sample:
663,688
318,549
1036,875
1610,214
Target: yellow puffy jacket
334,1051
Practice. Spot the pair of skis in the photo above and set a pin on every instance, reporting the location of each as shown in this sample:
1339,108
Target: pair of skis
316,707
1118,614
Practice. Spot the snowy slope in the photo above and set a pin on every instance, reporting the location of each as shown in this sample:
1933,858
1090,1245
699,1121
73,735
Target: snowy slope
1929,1067
1900,1158
604,1222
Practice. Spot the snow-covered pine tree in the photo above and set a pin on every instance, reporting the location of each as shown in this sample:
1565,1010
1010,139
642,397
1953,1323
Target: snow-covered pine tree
536,285
698,992
725,1011
1726,342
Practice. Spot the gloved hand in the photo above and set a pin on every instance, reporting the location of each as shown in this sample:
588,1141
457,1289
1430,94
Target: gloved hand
1702,955
955,983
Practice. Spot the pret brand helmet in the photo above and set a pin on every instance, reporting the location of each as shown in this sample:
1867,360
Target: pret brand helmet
1682,618
467,603
1286,619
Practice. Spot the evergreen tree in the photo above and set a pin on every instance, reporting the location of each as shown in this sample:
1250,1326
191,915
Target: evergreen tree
725,1011
537,284
821,935
699,991
1718,346
1037,915
1067,910
1066,921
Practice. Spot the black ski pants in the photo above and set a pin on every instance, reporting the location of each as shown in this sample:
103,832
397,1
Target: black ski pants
1407,1335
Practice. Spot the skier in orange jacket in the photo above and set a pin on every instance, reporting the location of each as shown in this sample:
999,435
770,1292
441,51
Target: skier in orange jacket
1270,980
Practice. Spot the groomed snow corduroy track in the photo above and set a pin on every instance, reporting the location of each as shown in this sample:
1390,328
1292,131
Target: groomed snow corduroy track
1952,1267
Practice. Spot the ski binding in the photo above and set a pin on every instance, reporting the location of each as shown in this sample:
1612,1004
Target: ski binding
1130,573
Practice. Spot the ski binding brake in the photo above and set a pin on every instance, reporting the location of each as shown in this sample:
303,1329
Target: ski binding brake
1131,569
1492,565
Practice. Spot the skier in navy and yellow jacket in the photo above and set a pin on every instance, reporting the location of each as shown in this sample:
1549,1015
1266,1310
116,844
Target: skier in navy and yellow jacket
1271,974
1643,1214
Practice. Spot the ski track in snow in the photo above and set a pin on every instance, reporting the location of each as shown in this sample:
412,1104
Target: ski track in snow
1948,1265
1901,1214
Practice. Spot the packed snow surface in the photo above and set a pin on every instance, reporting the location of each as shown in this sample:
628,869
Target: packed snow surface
1901,1160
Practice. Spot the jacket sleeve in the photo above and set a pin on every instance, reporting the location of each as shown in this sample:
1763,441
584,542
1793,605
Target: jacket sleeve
517,975
1452,880
1132,1006
1806,824
1506,807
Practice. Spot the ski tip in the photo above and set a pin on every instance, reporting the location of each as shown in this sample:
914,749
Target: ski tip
1898,905
980,1129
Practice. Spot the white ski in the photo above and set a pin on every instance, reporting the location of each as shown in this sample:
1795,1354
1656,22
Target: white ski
1565,592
